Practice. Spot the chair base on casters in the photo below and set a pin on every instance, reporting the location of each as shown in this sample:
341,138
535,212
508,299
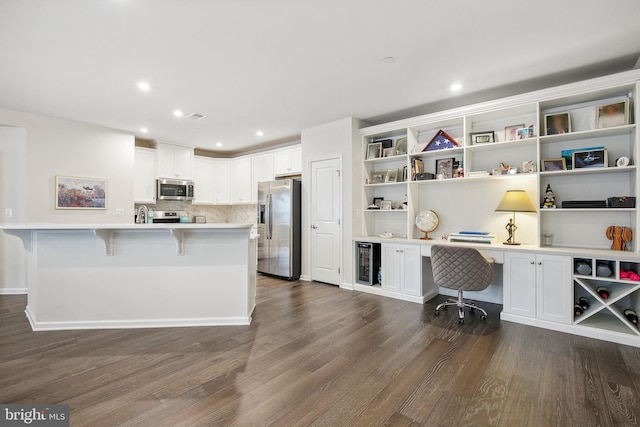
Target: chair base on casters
461,303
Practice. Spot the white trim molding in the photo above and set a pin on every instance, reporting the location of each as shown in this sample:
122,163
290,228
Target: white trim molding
13,291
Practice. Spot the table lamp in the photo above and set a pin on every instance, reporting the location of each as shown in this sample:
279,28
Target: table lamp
514,201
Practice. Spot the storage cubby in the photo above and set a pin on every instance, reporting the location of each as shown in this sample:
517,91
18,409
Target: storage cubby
583,266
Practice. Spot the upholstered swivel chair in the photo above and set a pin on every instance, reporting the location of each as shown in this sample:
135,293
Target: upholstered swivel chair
462,269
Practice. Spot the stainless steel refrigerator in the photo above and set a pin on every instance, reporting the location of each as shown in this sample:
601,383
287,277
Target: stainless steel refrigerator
279,249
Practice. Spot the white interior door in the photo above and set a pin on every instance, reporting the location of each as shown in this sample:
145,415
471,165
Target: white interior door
326,207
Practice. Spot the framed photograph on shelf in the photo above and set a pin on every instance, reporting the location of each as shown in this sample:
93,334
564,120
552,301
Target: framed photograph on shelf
529,166
482,137
590,159
549,165
511,132
524,133
378,201
401,146
392,175
378,177
374,150
81,193
444,167
389,152
610,115
557,123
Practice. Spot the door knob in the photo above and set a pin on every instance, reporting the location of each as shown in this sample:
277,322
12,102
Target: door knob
314,227
532,262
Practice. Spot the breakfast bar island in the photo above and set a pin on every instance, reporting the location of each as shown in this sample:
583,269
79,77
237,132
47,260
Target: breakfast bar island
98,276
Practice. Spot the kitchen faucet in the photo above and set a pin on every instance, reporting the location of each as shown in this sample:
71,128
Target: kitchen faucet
143,214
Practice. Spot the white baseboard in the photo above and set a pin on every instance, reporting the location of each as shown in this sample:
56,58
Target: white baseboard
305,278
376,290
347,286
134,323
13,291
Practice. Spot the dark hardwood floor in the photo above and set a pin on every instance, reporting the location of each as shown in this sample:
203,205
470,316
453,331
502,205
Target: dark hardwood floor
318,355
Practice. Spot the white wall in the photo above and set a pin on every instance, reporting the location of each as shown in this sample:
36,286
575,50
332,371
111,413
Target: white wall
43,147
336,139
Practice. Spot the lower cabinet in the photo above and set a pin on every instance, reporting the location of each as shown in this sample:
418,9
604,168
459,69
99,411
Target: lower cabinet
538,286
402,269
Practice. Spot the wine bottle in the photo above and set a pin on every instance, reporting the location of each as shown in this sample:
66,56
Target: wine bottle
577,310
603,292
631,316
584,303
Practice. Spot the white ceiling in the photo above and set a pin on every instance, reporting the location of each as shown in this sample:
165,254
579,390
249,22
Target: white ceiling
284,65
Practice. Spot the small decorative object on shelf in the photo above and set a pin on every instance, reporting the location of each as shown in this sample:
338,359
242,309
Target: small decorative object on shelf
389,152
567,154
549,198
511,132
427,221
386,143
405,203
603,270
417,167
392,175
623,161
557,123
590,159
441,141
620,236
621,202
374,151
401,146
386,205
529,166
583,268
631,316
482,137
525,133
603,292
444,167
630,275
610,115
377,201
584,303
459,169
554,165
378,177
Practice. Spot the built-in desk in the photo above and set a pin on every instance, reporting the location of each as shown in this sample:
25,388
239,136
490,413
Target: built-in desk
537,286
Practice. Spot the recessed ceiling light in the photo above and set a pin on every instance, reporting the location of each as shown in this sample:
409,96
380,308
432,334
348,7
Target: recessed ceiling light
260,133
144,130
178,113
387,59
456,87
219,144
144,86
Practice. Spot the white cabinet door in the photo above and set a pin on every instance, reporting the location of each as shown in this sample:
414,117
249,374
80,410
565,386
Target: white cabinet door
411,265
204,179
391,267
282,162
174,161
296,160
221,181
554,288
262,170
241,180
144,182
183,162
519,284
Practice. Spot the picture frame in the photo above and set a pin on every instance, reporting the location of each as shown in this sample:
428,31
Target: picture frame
568,154
378,201
444,167
482,137
392,175
549,165
524,133
511,132
378,177
389,152
610,115
529,166
557,123
374,150
590,159
401,146
80,193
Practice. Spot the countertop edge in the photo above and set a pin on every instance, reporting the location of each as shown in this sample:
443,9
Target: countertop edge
189,226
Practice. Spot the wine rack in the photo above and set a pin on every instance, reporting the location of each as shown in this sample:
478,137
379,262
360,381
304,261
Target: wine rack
606,314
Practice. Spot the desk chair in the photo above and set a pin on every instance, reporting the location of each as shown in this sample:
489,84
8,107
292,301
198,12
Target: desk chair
462,269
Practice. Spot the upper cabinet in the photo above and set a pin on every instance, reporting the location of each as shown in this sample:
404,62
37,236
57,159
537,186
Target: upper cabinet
174,161
288,162
262,170
204,179
241,180
145,176
221,181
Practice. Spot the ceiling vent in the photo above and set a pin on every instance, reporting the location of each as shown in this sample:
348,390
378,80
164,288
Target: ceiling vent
196,116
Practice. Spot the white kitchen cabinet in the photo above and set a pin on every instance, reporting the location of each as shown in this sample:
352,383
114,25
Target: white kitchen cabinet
538,286
288,161
221,181
241,180
401,269
144,182
174,161
262,170
204,179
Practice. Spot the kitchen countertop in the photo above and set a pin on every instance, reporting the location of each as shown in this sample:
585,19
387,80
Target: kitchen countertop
124,226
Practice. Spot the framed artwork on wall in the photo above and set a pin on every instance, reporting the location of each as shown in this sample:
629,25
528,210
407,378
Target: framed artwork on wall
80,193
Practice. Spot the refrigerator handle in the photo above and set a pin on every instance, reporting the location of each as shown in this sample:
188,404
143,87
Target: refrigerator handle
267,219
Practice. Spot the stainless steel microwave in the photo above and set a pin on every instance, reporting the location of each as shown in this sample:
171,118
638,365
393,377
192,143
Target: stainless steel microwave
175,189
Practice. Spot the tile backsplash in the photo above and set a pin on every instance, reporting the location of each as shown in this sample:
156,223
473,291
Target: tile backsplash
214,214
